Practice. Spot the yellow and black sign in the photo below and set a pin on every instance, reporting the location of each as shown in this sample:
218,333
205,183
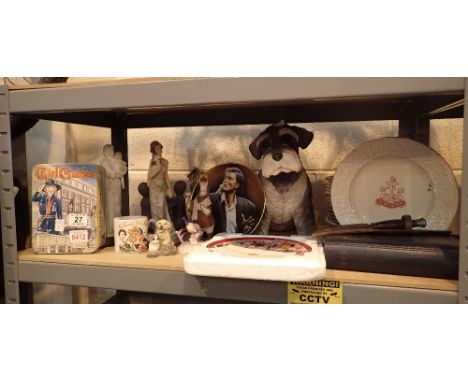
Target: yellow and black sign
315,292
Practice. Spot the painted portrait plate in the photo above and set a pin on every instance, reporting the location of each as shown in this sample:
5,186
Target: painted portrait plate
386,178
250,197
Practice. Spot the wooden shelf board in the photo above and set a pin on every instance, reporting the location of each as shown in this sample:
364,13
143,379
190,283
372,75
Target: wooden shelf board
106,257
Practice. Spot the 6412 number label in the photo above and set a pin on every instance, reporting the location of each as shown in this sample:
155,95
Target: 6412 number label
79,238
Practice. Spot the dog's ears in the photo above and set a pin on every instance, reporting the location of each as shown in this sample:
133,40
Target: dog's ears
253,148
305,136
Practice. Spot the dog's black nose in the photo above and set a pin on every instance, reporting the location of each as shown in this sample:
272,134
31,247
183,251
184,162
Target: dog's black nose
277,156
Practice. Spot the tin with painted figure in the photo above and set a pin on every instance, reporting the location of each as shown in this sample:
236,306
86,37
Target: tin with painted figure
67,208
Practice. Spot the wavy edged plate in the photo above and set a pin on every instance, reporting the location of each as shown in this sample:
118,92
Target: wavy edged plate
386,178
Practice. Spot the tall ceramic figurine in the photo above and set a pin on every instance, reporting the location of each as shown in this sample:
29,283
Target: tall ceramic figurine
158,183
121,167
115,169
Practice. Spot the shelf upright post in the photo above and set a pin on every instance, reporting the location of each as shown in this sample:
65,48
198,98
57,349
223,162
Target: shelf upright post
406,120
120,142
7,203
463,267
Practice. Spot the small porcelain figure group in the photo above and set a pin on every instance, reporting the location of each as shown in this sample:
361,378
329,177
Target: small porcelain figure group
159,189
206,213
287,191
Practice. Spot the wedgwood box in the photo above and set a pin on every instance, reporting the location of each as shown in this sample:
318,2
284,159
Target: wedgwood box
68,208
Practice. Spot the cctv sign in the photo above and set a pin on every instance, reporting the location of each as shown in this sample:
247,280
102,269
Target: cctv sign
315,292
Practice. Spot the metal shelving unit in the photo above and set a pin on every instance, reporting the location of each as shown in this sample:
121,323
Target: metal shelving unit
177,282
141,104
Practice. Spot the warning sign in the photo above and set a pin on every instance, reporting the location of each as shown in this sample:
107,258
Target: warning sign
315,292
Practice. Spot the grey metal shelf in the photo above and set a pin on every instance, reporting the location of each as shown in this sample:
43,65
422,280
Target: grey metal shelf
197,93
220,91
179,283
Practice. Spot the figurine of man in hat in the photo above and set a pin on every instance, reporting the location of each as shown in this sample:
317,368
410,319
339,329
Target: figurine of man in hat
50,206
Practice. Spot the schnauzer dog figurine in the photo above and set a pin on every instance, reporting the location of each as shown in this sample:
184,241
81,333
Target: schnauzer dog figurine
287,187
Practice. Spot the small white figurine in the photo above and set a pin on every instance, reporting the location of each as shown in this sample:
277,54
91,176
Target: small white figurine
115,169
153,245
163,235
158,183
121,167
195,232
190,237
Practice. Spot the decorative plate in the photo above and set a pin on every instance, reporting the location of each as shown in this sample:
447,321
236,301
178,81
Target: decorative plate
259,246
251,190
386,178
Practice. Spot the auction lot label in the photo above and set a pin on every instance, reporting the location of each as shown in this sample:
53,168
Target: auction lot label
315,292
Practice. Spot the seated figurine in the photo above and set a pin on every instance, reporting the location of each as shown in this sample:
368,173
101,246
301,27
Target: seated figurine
163,234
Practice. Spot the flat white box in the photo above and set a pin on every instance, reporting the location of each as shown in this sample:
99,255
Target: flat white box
257,264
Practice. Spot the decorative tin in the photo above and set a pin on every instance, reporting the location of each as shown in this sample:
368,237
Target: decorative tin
67,208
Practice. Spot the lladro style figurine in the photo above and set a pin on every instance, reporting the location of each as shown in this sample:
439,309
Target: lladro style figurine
158,183
115,168
121,167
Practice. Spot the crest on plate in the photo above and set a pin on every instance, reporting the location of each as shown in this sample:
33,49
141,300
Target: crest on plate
391,195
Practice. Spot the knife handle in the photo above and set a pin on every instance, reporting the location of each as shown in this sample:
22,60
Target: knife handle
404,223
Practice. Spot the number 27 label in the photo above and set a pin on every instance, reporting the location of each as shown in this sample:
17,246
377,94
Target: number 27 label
77,220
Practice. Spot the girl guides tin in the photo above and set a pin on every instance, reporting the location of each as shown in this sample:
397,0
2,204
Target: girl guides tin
67,208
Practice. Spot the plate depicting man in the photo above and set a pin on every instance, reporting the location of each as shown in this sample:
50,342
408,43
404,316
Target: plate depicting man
237,198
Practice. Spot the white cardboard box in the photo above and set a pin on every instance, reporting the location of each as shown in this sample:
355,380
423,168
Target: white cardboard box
234,261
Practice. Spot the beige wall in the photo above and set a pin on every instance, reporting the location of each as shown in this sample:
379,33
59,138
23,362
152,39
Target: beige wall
206,146
446,137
